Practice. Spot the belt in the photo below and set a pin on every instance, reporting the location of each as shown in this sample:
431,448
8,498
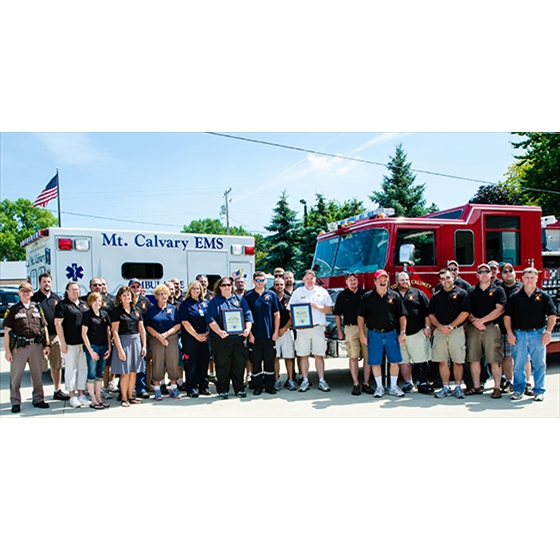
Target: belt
529,329
382,330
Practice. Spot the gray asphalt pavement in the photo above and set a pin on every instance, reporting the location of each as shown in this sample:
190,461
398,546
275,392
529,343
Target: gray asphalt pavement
314,403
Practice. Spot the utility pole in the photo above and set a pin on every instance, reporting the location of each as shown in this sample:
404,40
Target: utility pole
227,199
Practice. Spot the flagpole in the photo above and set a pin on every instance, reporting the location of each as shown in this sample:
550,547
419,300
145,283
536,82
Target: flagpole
58,197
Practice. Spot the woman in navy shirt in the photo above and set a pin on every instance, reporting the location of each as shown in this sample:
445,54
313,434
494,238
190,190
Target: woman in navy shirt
194,340
230,353
163,324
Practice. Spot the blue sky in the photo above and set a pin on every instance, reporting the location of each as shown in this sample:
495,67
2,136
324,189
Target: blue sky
165,180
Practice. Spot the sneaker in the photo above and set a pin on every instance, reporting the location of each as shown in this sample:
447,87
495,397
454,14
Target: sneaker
164,389
508,387
516,396
539,397
212,378
106,394
61,396
84,400
366,388
444,392
356,390
223,395
395,391
277,385
113,387
300,380
241,394
529,391
157,395
304,386
458,392
323,386
75,402
425,388
291,385
408,387
379,391
174,393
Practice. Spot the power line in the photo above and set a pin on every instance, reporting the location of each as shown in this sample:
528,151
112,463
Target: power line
365,161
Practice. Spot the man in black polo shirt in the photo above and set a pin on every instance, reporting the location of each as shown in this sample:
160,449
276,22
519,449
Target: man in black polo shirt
483,332
47,300
449,309
382,310
416,349
346,306
529,319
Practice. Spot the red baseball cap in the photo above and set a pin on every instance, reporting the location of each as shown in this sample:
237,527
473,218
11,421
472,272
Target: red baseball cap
380,273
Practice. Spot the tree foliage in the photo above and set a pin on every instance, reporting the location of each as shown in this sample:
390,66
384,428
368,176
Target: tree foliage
283,242
19,220
212,227
506,192
399,190
540,159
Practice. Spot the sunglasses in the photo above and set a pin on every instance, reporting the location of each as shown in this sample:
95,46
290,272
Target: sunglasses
453,269
260,280
507,271
225,284
483,271
278,275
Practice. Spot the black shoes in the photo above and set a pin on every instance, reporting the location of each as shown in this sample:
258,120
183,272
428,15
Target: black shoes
206,391
41,405
193,394
144,395
257,391
242,393
356,390
61,396
16,408
366,388
271,391
223,395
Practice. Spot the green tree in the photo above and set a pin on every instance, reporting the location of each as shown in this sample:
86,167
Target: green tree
283,241
399,190
19,220
540,159
212,227
260,251
319,216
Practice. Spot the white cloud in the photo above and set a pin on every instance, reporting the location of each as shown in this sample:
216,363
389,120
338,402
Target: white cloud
333,165
72,148
381,138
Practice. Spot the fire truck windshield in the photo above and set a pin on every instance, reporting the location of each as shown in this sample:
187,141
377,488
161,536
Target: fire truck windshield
359,251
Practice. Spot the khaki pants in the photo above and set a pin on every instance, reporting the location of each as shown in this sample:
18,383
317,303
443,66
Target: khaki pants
32,354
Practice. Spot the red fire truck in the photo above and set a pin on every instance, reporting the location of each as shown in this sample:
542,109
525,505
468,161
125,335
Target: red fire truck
471,234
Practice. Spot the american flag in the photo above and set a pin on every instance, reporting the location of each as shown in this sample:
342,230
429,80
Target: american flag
49,193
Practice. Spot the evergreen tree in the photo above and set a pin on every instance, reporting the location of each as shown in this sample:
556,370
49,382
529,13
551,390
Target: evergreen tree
399,190
283,242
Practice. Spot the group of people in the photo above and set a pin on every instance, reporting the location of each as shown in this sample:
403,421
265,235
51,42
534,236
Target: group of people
499,321
237,337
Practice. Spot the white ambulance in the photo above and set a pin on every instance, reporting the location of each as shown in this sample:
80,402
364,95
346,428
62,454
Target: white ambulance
152,257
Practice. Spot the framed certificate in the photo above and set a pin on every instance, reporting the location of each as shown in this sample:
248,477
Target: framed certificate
233,321
301,316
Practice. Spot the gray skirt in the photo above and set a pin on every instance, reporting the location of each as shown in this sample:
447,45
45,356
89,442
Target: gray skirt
132,347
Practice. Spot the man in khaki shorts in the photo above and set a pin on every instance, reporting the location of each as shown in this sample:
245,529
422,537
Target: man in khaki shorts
449,309
346,307
488,301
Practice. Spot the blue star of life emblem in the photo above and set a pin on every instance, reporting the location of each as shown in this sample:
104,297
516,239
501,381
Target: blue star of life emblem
74,272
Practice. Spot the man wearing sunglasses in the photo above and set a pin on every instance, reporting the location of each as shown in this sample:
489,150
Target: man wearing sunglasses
453,268
488,302
265,307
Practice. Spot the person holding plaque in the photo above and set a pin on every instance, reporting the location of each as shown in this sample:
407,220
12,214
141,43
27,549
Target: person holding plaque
230,321
309,305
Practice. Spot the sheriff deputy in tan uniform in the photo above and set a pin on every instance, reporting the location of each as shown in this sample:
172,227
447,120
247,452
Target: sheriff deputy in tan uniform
25,341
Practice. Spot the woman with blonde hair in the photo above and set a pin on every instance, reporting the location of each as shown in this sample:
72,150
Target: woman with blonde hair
129,338
163,325
96,334
194,340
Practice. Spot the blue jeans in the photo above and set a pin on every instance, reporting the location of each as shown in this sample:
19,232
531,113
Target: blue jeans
529,343
96,368
379,341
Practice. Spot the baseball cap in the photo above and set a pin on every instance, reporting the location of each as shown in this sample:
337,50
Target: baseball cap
26,286
380,273
351,274
132,281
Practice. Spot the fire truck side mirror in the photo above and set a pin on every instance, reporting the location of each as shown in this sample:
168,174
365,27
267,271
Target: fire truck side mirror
406,254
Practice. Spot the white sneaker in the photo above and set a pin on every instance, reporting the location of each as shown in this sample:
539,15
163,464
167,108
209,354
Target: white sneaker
113,387
539,397
75,402
277,385
84,400
323,386
106,394
395,391
379,391
304,385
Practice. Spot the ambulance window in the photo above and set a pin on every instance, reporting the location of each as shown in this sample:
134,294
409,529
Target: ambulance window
424,242
464,247
144,270
502,239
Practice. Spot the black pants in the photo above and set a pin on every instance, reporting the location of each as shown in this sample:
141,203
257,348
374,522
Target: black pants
230,357
264,353
196,364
